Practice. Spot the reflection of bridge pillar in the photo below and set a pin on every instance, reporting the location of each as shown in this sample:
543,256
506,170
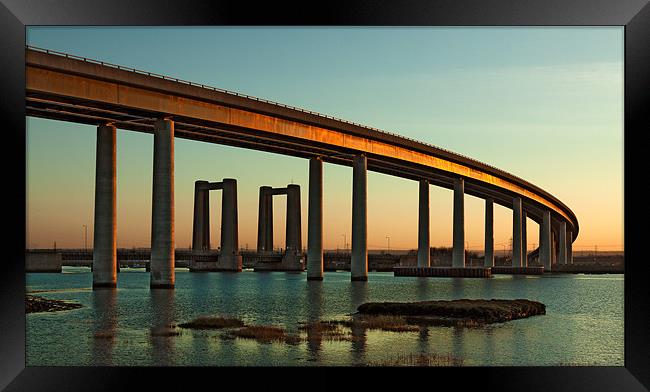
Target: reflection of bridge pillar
516,232
229,257
263,218
424,251
201,217
458,253
315,221
489,233
359,261
545,241
293,223
162,214
524,238
562,244
104,264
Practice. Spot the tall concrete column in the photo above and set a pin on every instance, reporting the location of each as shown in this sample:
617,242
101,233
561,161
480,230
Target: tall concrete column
229,257
199,222
458,253
489,233
105,233
229,219
268,229
293,222
424,234
569,245
553,246
524,238
206,218
315,221
545,240
516,232
359,262
262,217
162,214
562,244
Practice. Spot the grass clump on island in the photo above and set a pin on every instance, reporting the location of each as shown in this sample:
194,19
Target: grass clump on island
266,334
213,322
34,304
479,311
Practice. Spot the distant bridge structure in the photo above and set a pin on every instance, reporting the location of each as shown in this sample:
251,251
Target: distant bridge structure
64,87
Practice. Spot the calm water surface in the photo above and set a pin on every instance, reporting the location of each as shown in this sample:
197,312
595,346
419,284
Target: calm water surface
583,324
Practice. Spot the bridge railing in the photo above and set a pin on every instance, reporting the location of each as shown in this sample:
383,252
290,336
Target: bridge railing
164,77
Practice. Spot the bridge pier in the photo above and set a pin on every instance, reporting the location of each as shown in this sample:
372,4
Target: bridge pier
229,257
545,241
162,214
201,221
562,259
458,253
524,238
263,220
315,221
293,222
569,250
104,264
424,234
489,233
516,232
359,260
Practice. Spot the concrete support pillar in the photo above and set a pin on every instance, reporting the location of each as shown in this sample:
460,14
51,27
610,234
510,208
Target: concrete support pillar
545,241
562,244
199,222
162,214
424,234
262,220
268,229
489,233
315,221
359,262
524,238
229,258
229,218
569,245
206,219
516,233
105,233
293,223
553,246
458,254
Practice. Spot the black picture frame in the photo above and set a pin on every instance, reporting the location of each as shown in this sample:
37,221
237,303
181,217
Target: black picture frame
633,14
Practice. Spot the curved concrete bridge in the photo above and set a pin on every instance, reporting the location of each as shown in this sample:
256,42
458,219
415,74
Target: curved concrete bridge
69,88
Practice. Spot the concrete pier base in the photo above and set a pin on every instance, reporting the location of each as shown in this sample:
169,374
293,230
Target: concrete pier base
104,265
45,261
506,270
162,214
449,272
229,262
359,261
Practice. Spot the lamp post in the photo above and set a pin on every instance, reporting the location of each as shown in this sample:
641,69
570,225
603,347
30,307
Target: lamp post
344,243
388,238
85,237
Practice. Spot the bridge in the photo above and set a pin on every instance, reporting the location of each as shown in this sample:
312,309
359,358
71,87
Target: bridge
64,87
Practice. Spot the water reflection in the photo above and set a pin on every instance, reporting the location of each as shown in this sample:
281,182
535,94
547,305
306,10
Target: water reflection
423,289
104,326
314,314
162,333
358,295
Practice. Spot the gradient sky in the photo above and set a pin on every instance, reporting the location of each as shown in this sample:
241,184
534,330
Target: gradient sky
545,104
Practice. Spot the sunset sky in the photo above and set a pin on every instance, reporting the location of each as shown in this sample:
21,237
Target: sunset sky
545,104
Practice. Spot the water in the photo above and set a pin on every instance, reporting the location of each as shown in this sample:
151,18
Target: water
583,324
